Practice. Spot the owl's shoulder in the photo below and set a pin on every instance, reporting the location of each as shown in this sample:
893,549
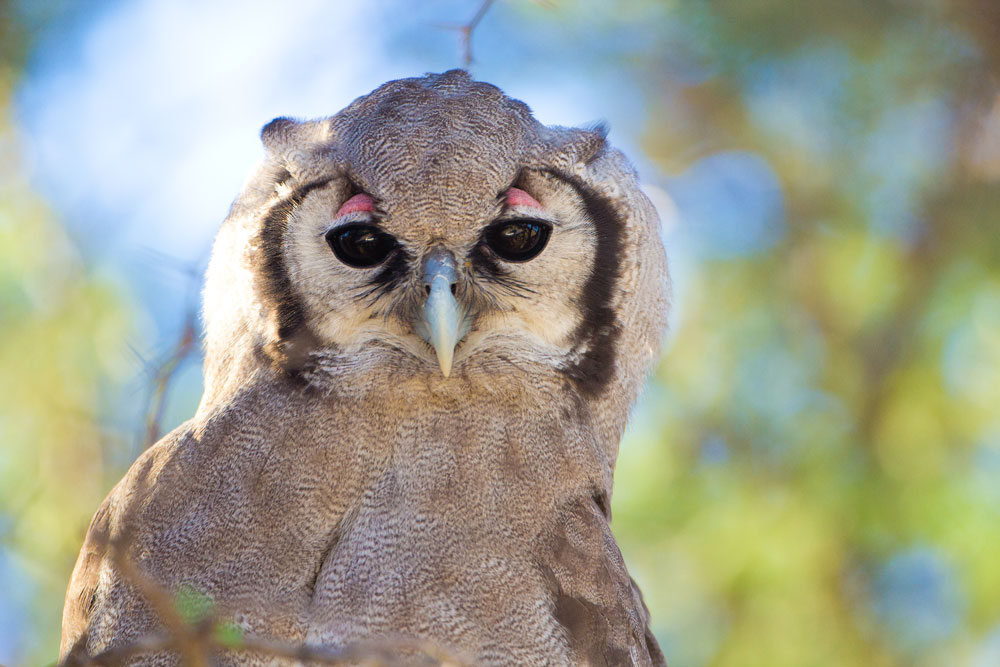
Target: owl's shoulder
110,529
594,599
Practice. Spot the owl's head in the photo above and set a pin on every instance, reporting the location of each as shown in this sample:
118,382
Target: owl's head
434,228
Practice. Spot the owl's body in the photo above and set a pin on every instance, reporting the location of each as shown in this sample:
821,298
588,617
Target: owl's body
345,479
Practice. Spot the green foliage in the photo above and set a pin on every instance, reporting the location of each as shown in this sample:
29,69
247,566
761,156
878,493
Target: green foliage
826,412
229,635
193,605
63,329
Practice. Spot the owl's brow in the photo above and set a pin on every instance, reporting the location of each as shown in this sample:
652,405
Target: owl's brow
273,282
597,333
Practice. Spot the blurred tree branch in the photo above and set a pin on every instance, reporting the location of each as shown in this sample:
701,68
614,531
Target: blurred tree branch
164,373
466,30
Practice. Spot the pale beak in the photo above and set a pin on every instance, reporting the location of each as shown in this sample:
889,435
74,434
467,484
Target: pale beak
442,316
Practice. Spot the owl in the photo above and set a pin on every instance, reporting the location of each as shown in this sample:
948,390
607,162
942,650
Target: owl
426,318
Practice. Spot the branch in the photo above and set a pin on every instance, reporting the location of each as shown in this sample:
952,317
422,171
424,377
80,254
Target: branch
119,654
383,651
164,373
466,30
186,639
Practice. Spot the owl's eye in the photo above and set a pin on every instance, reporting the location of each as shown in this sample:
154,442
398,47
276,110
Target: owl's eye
517,240
360,246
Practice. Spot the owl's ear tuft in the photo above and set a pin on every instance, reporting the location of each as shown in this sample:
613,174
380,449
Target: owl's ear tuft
565,147
600,128
277,132
591,142
284,134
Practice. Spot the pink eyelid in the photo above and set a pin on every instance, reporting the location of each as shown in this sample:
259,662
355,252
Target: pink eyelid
518,197
359,203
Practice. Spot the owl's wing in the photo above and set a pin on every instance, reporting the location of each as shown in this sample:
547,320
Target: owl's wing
595,600
239,507
94,574
82,590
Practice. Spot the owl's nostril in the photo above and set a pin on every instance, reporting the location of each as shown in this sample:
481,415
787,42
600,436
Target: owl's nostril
427,289
439,269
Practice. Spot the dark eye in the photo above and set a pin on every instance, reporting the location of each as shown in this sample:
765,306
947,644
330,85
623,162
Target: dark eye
360,246
517,240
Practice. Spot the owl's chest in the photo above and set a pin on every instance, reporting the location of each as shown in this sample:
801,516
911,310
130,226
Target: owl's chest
431,527
439,564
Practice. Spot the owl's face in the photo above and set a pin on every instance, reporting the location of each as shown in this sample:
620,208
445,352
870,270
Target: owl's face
435,227
443,273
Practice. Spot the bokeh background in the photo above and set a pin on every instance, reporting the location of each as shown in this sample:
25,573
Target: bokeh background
813,474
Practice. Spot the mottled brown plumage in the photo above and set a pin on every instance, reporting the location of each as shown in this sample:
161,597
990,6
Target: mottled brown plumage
334,485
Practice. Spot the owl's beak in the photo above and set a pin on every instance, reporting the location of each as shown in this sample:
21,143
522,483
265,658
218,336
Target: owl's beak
442,316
